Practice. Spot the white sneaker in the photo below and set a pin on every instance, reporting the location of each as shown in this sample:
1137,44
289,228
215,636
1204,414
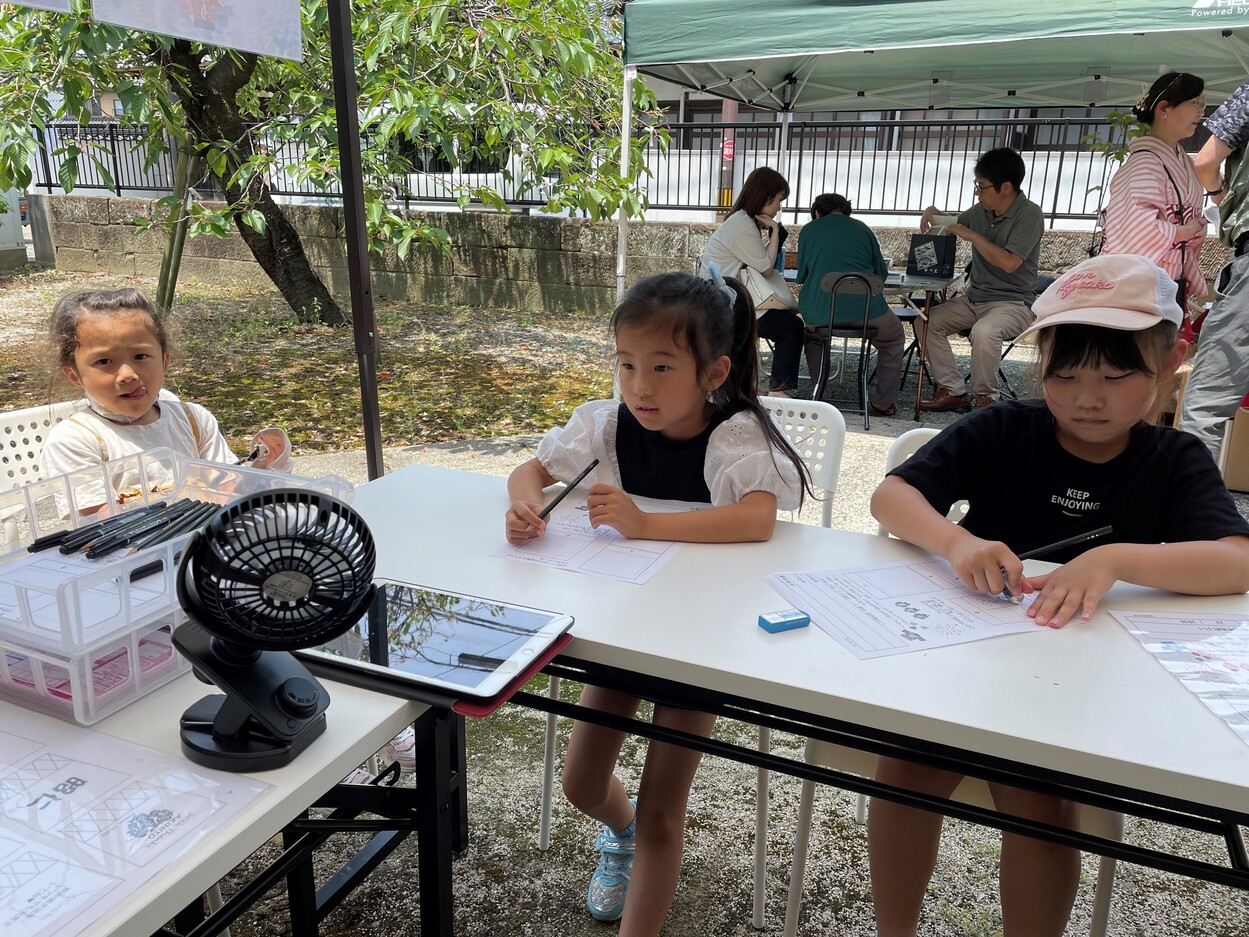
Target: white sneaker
358,776
402,748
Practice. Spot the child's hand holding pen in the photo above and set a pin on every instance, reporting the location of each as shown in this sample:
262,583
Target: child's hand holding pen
1077,585
526,518
522,522
988,566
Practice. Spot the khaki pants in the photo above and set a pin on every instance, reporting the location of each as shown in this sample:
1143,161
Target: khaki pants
991,325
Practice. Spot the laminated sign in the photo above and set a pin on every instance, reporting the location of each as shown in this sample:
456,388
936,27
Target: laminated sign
271,27
931,255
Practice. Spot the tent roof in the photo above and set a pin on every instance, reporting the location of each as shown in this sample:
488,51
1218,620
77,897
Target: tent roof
885,54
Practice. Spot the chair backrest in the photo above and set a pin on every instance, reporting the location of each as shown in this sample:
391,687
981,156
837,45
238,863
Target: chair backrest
841,284
22,435
817,431
902,449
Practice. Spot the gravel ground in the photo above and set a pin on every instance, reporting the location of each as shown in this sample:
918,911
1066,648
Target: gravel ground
504,885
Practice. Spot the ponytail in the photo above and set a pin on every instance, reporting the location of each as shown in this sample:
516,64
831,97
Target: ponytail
740,389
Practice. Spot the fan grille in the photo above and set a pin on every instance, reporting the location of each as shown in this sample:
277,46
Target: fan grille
280,570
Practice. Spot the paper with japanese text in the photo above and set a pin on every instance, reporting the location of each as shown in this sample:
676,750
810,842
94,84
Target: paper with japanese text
571,543
86,819
897,608
1209,654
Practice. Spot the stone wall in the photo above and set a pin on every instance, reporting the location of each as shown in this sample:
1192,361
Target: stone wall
504,261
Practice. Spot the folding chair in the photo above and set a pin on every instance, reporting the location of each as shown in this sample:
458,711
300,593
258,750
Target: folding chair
846,285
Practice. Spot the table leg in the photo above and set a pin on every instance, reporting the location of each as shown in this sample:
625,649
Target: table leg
923,351
190,917
459,792
301,889
435,764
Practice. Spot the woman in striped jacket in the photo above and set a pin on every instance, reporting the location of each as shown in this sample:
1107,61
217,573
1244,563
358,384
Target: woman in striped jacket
1155,198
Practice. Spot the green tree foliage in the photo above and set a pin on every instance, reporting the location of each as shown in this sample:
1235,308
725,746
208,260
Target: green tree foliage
532,85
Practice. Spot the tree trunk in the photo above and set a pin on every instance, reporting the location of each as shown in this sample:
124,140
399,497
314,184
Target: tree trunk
208,99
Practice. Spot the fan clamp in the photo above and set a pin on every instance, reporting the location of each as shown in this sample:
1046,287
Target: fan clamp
270,573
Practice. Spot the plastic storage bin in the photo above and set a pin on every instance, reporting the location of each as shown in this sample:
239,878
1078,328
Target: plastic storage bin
87,687
79,636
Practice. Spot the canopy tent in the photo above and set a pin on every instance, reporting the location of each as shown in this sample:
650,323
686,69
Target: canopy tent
914,54
856,55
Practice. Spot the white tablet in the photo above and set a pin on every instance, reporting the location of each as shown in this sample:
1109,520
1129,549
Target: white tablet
466,645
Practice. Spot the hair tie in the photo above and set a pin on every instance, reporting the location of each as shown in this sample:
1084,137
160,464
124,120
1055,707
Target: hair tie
711,271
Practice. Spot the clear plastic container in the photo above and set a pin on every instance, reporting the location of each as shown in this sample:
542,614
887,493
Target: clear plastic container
88,686
68,605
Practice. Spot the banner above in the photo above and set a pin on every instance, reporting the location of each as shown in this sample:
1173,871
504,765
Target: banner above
56,6
269,28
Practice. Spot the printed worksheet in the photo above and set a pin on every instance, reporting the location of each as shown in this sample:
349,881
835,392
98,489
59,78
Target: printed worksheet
85,819
897,608
571,543
1209,654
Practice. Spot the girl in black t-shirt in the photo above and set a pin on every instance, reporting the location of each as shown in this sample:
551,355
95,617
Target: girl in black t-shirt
1107,337
689,427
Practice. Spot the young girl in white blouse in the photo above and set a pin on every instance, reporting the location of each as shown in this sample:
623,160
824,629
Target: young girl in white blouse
689,428
112,344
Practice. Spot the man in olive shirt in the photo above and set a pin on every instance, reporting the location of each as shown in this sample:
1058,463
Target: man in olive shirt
1004,230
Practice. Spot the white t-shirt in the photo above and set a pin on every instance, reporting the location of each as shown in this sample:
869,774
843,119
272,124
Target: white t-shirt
739,459
88,439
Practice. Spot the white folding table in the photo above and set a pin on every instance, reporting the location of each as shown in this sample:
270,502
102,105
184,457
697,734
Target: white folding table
358,723
1083,712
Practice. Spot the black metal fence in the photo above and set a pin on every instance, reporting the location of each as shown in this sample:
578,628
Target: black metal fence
885,167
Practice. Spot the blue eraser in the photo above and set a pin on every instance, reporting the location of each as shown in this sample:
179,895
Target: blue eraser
785,620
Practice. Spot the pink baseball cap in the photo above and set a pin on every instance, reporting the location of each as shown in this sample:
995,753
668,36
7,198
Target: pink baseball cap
1114,291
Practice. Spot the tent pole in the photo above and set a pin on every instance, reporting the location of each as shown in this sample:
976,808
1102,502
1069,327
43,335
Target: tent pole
622,218
787,117
782,155
363,320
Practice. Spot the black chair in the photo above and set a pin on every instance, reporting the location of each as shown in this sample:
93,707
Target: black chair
847,286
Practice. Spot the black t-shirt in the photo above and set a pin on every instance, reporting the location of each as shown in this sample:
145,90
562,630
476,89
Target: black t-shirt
1024,489
654,467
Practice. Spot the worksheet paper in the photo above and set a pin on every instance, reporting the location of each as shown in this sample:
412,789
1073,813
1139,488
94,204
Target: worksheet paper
897,608
571,543
85,819
1209,654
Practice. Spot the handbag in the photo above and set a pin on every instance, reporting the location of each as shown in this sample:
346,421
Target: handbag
767,290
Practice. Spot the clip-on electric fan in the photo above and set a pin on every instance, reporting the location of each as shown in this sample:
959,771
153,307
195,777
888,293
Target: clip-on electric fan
270,573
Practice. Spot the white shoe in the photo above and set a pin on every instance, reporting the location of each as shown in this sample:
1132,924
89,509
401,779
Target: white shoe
402,748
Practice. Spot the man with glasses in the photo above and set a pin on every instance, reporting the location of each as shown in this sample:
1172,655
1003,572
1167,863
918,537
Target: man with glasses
1004,230
1220,375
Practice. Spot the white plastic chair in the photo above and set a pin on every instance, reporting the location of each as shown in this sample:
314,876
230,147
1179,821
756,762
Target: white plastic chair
22,435
1103,823
817,432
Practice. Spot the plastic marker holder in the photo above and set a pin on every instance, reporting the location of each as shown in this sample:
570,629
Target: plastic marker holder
785,620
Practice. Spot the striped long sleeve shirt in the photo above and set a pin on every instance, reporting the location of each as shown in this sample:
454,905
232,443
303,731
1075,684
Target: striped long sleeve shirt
1143,213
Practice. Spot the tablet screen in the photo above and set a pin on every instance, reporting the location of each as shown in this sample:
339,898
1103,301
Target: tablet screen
468,645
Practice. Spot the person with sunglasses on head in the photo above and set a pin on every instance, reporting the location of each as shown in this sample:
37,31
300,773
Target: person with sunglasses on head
1156,199
1220,375
1004,230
